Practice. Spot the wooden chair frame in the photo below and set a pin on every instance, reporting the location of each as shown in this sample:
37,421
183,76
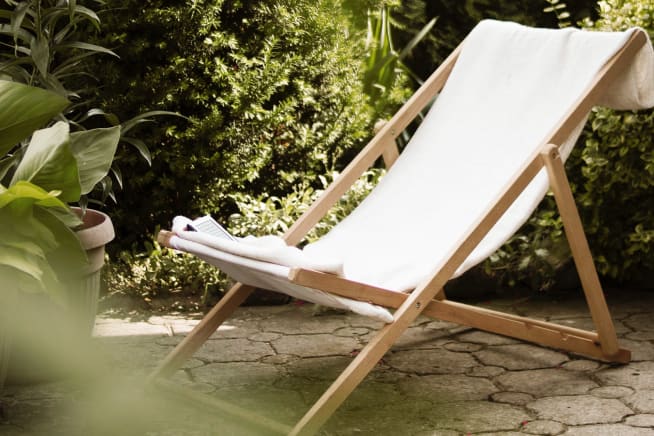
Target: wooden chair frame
428,298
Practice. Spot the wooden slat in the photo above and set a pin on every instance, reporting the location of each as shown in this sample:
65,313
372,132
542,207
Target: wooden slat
580,251
533,330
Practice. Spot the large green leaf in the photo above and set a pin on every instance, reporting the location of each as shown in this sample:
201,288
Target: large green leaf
37,247
22,109
50,163
94,151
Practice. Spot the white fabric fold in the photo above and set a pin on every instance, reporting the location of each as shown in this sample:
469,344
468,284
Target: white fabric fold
268,248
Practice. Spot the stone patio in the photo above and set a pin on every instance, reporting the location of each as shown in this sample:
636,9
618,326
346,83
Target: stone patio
440,379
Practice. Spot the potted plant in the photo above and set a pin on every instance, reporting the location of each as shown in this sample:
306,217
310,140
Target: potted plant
42,256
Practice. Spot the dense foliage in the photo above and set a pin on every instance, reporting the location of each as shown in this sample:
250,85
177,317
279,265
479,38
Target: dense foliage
275,97
271,89
617,168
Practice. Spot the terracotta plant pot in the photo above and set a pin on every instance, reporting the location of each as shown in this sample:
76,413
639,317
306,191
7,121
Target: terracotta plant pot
95,232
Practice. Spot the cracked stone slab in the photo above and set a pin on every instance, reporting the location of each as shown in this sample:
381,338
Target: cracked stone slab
544,382
233,350
644,420
436,361
462,347
236,373
642,401
580,409
520,356
608,430
446,388
612,391
281,405
394,419
516,398
478,416
543,427
639,375
581,365
485,371
316,345
299,322
641,322
419,337
319,368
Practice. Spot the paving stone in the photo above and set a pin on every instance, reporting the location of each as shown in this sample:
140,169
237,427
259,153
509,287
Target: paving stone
639,375
236,373
446,388
640,350
436,361
543,427
550,309
480,337
320,368
640,336
612,391
316,345
420,338
233,350
234,330
438,433
516,398
477,416
462,347
581,365
579,409
520,356
349,331
264,337
118,327
644,420
544,382
608,430
643,322
400,418
281,405
641,401
298,322
485,371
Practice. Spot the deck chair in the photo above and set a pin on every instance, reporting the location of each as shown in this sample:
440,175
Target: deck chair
510,102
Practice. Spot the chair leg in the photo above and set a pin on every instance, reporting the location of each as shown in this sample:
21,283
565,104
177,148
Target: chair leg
580,251
199,335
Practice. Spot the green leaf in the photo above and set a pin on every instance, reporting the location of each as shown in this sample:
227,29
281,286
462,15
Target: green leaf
141,147
86,46
22,109
50,163
94,151
41,55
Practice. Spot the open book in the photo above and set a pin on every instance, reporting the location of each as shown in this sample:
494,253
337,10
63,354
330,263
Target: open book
208,225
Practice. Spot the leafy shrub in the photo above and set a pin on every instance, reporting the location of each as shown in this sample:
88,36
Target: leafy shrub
270,215
272,88
615,169
161,273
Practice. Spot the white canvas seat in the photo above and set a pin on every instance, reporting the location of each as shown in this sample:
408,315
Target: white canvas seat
511,102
